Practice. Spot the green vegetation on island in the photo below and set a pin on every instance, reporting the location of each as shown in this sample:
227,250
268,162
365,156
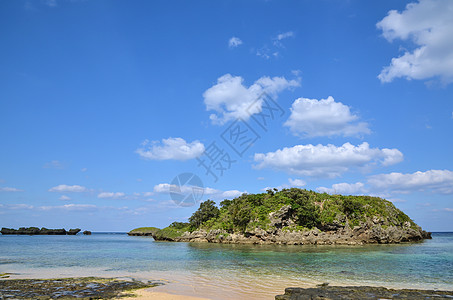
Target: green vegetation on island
267,216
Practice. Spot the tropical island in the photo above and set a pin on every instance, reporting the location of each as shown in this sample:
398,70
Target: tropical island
293,217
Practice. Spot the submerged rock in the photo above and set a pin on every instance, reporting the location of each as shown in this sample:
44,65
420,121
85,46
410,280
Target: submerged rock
360,292
69,288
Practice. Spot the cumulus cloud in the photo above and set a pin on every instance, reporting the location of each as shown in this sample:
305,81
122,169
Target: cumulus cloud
291,183
232,194
234,42
171,148
64,198
63,188
344,189
9,189
186,189
231,99
325,117
429,25
437,181
112,195
326,161
296,182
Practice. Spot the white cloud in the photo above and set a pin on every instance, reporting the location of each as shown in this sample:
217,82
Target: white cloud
325,117
71,207
326,161
231,99
429,25
163,187
296,182
186,189
291,183
64,198
448,209
111,195
344,189
171,148
63,188
18,206
234,42
437,181
285,35
232,194
83,169
9,189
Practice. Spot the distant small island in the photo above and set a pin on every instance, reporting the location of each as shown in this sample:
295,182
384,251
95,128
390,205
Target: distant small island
293,217
42,231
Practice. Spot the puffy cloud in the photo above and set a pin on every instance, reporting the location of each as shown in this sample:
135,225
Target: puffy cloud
64,198
292,183
437,181
111,195
296,182
231,99
234,42
344,188
63,188
171,148
325,117
186,189
429,25
326,161
9,189
231,194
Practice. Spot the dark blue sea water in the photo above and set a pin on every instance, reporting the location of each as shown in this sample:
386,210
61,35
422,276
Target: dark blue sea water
270,268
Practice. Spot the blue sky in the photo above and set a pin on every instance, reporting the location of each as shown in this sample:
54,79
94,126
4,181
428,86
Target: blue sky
103,103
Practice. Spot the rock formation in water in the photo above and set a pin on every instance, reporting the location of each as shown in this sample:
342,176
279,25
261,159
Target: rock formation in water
360,292
294,217
37,231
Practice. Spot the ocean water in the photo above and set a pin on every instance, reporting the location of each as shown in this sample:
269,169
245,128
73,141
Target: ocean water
230,271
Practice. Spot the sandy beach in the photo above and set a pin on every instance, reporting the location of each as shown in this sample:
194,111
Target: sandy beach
151,293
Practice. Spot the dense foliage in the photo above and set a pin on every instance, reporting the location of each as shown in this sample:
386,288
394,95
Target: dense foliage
308,208
207,211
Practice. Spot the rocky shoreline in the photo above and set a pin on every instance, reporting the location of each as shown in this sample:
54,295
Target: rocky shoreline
42,231
373,231
360,292
70,288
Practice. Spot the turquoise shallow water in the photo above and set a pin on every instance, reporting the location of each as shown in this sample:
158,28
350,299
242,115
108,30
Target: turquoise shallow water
422,265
